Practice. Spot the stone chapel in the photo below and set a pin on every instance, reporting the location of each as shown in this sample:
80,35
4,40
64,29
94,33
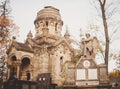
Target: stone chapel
50,52
47,52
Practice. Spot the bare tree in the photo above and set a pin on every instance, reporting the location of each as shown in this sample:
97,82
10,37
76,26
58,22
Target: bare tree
6,27
4,34
107,12
102,6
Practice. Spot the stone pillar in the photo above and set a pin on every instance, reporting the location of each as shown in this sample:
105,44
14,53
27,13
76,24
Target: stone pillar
103,74
18,68
8,72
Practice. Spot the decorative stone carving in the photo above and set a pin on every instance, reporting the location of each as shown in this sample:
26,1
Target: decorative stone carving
51,53
29,35
90,46
50,17
18,63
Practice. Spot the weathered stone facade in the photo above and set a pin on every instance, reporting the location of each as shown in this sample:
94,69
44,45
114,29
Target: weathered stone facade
50,52
47,52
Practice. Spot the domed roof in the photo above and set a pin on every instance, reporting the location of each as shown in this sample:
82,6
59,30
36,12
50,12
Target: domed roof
48,12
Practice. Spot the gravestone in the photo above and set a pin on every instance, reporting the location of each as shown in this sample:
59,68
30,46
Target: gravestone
87,72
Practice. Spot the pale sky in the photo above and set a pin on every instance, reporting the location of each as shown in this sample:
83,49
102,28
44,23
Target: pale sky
76,14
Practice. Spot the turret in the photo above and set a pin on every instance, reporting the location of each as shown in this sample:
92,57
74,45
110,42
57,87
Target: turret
29,35
50,18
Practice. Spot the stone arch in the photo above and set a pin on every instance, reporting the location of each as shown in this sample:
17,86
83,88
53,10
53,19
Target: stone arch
56,26
14,58
59,26
52,23
25,62
41,23
26,56
11,58
25,67
46,23
12,67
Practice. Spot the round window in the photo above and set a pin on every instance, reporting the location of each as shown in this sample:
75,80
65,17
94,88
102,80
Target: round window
86,63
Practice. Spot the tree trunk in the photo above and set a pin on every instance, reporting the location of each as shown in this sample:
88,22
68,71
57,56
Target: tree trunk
102,5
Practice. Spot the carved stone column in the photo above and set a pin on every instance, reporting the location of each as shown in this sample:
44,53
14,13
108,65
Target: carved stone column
18,68
8,71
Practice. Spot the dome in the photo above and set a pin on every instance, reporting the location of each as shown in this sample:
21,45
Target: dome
49,12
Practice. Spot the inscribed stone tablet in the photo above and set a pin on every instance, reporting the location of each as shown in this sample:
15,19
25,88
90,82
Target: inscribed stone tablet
81,74
92,74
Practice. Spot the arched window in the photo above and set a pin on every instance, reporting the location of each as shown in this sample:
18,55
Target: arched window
56,27
25,67
13,58
25,62
13,68
46,23
28,75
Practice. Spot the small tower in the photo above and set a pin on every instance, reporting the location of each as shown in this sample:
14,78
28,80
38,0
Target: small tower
50,18
67,35
29,35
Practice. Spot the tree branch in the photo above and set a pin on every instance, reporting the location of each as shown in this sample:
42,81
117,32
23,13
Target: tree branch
100,2
104,2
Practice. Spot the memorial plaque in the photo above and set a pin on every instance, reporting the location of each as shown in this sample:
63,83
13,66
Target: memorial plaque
92,74
81,74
